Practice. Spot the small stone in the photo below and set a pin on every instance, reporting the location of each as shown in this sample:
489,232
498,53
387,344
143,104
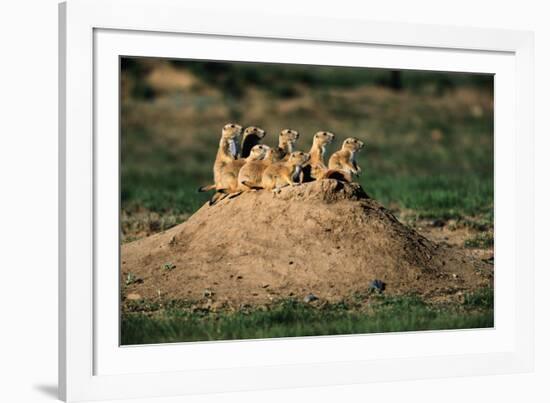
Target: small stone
310,298
207,293
133,297
377,286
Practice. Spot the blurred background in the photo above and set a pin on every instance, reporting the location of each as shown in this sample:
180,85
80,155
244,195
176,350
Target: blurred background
428,135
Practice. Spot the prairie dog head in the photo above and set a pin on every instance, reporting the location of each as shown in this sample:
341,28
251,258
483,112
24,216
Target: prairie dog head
298,158
323,138
231,131
258,152
287,138
260,133
352,144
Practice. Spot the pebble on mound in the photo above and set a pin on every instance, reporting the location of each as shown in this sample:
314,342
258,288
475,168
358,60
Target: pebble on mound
325,238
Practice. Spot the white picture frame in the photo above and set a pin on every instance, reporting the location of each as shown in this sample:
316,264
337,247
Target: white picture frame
94,33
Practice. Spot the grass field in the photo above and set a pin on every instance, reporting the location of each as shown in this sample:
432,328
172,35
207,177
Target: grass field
428,157
291,318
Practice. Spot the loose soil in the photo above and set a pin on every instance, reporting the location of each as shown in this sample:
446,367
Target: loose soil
325,238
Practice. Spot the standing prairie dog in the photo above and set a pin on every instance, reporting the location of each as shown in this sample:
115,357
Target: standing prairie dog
250,175
287,138
283,173
316,166
251,137
344,160
227,152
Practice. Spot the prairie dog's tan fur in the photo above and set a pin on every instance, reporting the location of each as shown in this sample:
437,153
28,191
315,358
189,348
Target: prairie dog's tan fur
345,159
227,164
316,166
227,152
283,173
251,137
287,138
228,182
250,175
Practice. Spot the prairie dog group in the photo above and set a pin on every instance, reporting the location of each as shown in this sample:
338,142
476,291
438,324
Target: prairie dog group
247,165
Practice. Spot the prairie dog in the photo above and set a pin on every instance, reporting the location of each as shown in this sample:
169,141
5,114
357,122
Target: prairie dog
251,137
283,173
316,166
227,152
287,138
250,175
345,159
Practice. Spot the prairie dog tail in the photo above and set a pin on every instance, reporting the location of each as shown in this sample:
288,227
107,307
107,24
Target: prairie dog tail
251,185
206,188
219,195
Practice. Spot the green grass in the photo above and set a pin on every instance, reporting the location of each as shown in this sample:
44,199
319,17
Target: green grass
482,298
436,196
291,318
482,240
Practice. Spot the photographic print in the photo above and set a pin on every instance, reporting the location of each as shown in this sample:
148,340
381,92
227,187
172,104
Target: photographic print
263,200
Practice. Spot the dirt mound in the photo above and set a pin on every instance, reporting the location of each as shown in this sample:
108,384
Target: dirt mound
325,238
